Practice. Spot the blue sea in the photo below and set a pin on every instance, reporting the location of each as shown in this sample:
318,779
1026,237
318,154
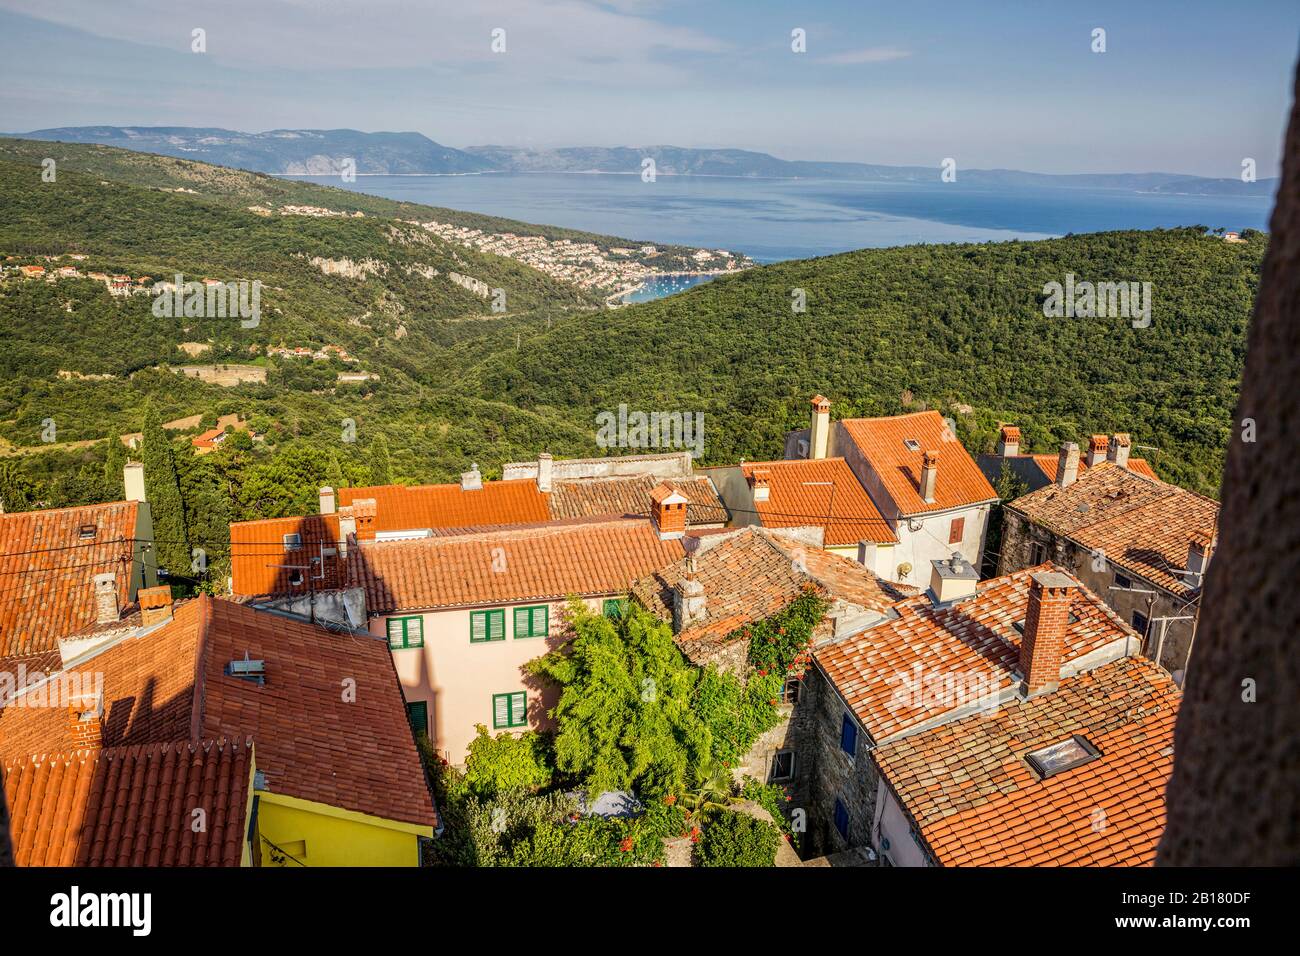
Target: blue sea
775,219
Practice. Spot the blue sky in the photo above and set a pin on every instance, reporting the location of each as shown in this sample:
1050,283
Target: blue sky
1188,86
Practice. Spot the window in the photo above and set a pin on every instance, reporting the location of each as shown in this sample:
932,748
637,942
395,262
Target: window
1058,758
783,765
485,626
911,444
532,621
405,632
1140,623
1122,582
614,608
509,710
292,542
848,736
841,818
418,714
790,690
86,531
956,530
1037,553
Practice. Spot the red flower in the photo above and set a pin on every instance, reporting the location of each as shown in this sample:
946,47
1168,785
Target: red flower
626,845
656,863
670,799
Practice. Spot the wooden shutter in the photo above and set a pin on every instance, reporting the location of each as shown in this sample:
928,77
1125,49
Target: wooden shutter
956,530
518,709
501,710
415,632
539,626
523,627
394,632
496,621
478,626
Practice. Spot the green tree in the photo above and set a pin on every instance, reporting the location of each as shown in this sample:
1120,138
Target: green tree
162,487
381,469
737,839
114,461
507,763
17,493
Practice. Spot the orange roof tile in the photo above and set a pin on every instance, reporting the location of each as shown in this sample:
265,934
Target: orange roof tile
47,570
881,441
403,508
823,493
549,562
976,801
888,674
259,557
1048,463
630,495
131,806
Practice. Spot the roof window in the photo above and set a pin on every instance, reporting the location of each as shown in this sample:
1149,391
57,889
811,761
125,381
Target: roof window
1058,758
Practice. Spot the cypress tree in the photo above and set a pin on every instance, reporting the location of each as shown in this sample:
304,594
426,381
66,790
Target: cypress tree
163,490
381,470
114,460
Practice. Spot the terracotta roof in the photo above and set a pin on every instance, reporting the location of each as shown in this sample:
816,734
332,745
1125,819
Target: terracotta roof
597,497
749,575
47,571
257,553
403,508
502,567
792,502
881,441
169,684
977,802
1047,464
1142,525
887,673
131,806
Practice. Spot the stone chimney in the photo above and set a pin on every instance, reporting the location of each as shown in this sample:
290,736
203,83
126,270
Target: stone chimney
155,604
1119,448
1097,445
133,481
363,512
1067,464
545,471
952,579
471,480
929,476
760,479
347,529
327,500
668,512
106,607
690,604
820,432
1199,551
1042,645
86,721
1008,441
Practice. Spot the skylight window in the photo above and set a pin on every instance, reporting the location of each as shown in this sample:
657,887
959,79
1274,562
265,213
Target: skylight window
86,531
292,542
1058,758
911,444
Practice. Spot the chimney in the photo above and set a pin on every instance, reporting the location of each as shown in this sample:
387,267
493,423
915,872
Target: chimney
86,721
327,500
155,604
106,609
545,468
760,480
1043,642
952,579
668,513
690,605
819,434
1119,447
347,529
133,481
1008,441
363,511
471,480
1067,464
1199,551
929,475
1097,449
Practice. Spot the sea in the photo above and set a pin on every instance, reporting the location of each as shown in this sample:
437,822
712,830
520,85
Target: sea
775,219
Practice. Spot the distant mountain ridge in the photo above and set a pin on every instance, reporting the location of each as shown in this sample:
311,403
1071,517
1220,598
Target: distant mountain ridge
323,152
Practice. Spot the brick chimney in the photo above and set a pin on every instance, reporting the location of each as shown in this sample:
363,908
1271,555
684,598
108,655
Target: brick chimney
668,512
363,512
760,479
327,506
155,604
471,480
819,433
545,471
133,481
1199,551
1119,448
86,721
1042,645
347,529
1008,441
1067,464
929,476
106,607
1097,445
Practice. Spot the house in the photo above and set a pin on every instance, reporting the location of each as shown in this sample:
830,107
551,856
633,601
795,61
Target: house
1037,470
1141,543
213,437
1006,722
216,734
735,578
65,569
929,490
32,272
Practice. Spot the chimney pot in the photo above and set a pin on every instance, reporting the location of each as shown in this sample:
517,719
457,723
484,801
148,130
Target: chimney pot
86,721
1118,449
106,606
471,480
1009,441
1199,551
760,479
1067,464
819,433
347,529
929,476
327,504
690,604
1097,446
155,604
1047,617
133,481
545,470
952,579
668,512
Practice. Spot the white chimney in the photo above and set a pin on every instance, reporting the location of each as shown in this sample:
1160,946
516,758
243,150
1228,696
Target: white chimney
819,434
133,480
1009,441
760,480
1199,551
471,480
327,500
545,468
929,476
106,609
689,603
1067,464
1097,446
952,579
347,528
1119,449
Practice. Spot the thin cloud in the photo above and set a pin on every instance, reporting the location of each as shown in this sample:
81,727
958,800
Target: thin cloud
873,54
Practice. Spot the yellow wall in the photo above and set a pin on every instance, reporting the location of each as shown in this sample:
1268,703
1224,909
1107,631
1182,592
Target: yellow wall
320,835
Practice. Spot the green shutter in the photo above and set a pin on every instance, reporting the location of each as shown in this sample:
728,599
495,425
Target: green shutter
523,626
496,625
415,632
518,709
394,632
477,626
541,621
418,713
500,710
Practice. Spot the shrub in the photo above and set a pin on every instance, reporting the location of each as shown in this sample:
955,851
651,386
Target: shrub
737,839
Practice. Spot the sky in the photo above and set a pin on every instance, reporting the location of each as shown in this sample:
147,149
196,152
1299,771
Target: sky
1188,86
